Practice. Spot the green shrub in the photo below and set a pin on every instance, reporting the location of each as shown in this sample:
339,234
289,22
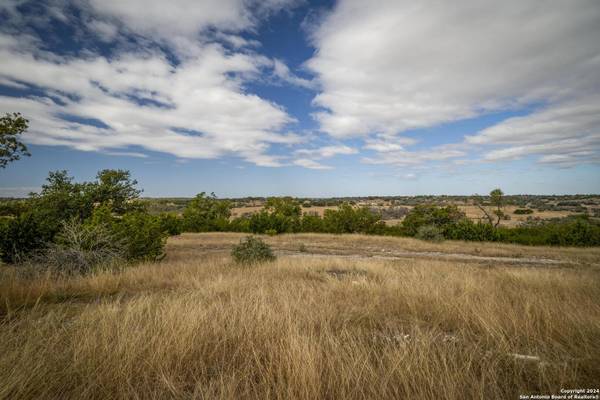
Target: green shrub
430,233
143,236
252,250
311,223
422,215
271,232
280,214
171,223
466,229
22,236
348,219
523,211
206,214
240,224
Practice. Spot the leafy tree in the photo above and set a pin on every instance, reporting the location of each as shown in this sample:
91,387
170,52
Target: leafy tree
429,214
312,223
59,200
11,148
283,206
21,236
96,203
206,213
143,236
279,215
171,223
495,215
347,219
115,187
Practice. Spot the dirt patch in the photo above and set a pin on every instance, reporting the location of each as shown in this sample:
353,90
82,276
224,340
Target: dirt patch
395,255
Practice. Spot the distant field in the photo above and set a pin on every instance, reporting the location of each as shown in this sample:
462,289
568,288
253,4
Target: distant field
472,212
475,214
335,317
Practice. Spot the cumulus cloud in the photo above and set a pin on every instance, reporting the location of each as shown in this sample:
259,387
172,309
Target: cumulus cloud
401,65
188,17
403,158
310,164
567,133
195,108
282,71
327,151
388,143
307,157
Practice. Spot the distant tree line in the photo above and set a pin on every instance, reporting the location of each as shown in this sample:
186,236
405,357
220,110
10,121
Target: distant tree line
110,208
279,215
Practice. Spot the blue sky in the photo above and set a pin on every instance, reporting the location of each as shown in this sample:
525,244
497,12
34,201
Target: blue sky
292,97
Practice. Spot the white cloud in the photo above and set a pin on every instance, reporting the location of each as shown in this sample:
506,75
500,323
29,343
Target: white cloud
396,65
198,95
307,157
282,71
107,32
197,108
566,133
388,143
415,158
187,17
327,151
311,164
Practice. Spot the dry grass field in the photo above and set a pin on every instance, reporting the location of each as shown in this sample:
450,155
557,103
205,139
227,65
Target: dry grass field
335,317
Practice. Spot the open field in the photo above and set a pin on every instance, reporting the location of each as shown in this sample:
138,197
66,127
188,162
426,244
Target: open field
542,207
472,212
330,320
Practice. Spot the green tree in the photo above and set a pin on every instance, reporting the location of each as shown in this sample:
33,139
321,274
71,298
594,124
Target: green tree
116,188
206,213
495,214
428,214
280,214
283,206
60,200
11,148
143,236
348,219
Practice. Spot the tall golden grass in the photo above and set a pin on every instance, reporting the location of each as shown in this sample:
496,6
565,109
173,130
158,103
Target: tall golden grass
197,326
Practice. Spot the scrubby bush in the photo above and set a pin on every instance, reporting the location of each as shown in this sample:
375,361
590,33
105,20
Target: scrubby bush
430,233
465,229
348,219
441,217
171,223
280,214
143,236
573,231
41,217
206,214
252,250
240,224
82,248
523,211
312,223
22,236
